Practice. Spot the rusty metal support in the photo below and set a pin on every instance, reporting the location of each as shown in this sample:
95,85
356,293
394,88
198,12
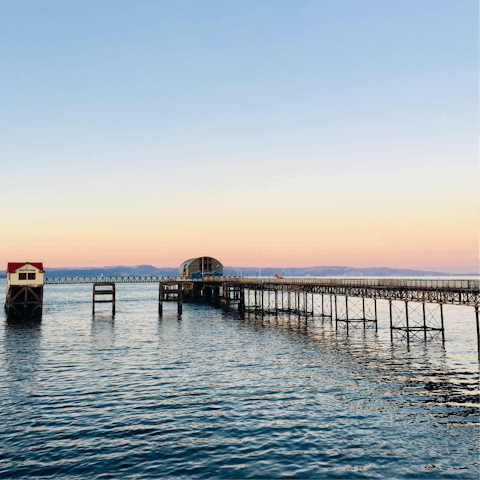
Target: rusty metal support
336,316
391,321
406,321
441,319
363,309
424,322
478,331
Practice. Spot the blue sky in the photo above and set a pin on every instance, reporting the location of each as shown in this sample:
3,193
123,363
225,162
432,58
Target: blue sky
247,99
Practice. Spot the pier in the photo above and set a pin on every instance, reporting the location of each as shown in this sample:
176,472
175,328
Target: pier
415,306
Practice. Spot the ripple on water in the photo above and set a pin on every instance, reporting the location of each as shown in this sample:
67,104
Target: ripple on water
214,395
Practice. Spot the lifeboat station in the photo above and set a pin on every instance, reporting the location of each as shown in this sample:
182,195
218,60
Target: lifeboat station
24,288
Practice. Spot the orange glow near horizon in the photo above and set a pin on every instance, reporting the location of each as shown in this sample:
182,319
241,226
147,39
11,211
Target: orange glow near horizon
396,224
425,241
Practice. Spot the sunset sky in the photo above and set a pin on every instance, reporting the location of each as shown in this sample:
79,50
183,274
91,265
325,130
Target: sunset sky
285,133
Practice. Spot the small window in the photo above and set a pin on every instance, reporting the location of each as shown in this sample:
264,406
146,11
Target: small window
22,276
31,276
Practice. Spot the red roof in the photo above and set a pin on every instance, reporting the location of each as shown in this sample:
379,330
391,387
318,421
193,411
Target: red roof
13,266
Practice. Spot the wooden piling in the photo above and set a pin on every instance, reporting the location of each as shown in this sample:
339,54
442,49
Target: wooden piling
110,291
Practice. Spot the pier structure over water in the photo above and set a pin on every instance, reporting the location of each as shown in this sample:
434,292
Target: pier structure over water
415,306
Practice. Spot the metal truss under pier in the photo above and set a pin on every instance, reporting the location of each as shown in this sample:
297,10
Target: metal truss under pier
350,302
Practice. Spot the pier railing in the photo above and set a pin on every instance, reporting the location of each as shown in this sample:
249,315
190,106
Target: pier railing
364,282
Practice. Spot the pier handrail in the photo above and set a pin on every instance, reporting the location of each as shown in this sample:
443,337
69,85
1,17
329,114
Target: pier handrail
361,282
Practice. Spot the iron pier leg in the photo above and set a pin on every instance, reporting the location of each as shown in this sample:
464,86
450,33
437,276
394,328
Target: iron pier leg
406,320
331,310
363,305
346,311
424,323
441,319
241,303
478,331
391,321
323,313
376,322
336,316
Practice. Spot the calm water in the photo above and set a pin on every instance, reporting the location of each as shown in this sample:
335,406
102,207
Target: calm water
213,395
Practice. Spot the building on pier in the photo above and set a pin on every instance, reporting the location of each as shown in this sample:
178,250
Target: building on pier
201,267
24,288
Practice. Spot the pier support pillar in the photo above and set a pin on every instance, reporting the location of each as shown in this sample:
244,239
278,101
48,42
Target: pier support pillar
356,311
24,301
160,298
180,299
101,289
241,303
417,320
170,292
478,331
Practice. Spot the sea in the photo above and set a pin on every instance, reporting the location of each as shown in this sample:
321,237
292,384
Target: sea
216,394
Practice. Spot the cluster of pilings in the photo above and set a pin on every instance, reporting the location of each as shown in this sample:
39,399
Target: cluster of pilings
24,301
409,320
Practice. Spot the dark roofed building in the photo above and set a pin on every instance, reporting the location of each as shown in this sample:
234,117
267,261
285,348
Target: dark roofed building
200,267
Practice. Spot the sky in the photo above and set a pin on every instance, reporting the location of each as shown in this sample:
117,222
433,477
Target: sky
285,133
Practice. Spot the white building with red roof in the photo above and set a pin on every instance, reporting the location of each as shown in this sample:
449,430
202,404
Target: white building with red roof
25,273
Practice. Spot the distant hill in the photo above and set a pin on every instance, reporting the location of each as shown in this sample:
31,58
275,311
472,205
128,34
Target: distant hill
333,271
324,271
116,271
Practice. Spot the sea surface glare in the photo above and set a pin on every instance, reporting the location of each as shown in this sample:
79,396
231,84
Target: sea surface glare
208,394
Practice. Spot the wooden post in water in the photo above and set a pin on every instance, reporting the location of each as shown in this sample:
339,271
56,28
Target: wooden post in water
113,300
110,290
180,298
160,298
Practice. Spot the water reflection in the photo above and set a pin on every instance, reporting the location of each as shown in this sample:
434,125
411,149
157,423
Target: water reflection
22,344
103,331
416,373
208,394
